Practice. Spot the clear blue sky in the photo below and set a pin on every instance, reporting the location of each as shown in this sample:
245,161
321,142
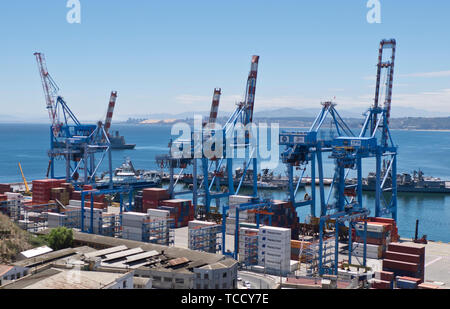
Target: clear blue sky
167,56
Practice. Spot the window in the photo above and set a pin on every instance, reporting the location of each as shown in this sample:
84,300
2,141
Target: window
166,279
199,276
224,275
157,278
125,284
179,280
18,275
206,276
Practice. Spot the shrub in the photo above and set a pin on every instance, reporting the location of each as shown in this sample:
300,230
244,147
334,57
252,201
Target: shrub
60,238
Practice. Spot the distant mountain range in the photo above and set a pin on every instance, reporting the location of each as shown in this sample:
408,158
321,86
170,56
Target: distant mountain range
397,112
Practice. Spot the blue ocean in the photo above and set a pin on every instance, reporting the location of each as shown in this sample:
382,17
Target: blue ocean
425,150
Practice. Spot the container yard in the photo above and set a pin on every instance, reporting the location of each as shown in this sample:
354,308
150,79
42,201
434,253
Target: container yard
208,211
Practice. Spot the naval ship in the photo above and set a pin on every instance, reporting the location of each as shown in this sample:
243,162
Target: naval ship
406,182
118,141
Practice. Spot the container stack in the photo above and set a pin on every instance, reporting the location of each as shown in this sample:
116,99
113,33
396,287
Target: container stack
406,259
99,199
299,246
10,196
428,286
233,202
380,232
5,188
383,280
274,249
138,201
285,216
248,246
42,189
3,198
61,194
97,226
203,236
151,198
407,283
133,225
56,220
181,211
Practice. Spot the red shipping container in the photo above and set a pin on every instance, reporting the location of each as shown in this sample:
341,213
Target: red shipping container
408,248
146,205
410,258
5,188
416,280
96,205
410,267
427,286
3,198
381,284
155,194
385,220
385,276
371,241
76,195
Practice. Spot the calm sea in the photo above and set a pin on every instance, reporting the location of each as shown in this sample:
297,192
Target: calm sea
428,151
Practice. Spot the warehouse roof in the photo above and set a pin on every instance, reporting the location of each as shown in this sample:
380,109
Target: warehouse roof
196,259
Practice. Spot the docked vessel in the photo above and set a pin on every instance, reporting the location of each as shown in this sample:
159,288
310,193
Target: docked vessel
126,174
406,182
118,142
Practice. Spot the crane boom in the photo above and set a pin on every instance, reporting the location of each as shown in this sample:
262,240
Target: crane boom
109,114
49,86
251,90
387,66
24,179
215,105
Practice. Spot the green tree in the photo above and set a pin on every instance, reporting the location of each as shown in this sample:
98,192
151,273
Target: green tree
60,238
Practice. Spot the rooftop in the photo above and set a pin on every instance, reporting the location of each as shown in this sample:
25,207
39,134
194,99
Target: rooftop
54,278
4,269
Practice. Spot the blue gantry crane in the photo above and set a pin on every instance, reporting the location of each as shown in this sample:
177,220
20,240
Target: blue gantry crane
374,141
70,140
224,142
304,148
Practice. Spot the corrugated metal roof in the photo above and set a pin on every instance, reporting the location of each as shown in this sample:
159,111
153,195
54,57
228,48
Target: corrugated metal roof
122,254
142,256
106,251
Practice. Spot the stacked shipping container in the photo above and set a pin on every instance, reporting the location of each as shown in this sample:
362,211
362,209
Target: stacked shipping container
405,259
285,216
4,188
380,232
42,189
383,280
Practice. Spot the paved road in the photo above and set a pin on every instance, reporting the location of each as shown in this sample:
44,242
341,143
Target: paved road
258,281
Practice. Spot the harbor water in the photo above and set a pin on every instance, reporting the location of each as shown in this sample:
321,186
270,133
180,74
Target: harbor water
425,150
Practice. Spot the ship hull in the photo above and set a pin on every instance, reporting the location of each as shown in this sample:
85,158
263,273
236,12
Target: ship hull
412,189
